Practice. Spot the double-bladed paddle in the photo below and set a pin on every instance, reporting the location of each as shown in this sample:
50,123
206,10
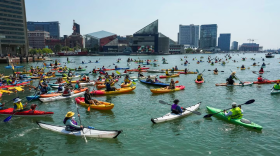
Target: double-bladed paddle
163,102
246,103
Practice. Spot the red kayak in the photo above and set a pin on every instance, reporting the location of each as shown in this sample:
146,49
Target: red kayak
261,72
199,82
104,69
136,70
265,82
27,113
19,84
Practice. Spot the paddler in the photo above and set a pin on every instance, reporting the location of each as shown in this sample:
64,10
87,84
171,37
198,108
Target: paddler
186,70
70,123
80,67
140,74
199,77
175,108
70,74
215,70
171,85
126,80
263,64
109,88
78,85
212,63
139,68
166,72
93,71
24,70
32,108
176,68
67,91
99,78
260,79
60,88
230,80
234,113
2,106
32,69
55,62
261,70
149,79
18,105
254,64
243,66
88,99
276,86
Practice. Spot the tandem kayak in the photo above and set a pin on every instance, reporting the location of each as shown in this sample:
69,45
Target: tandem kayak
61,97
87,132
155,84
101,106
165,76
243,122
163,90
117,91
27,113
172,116
235,84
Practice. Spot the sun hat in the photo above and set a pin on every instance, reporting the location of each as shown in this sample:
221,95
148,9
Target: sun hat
17,100
69,114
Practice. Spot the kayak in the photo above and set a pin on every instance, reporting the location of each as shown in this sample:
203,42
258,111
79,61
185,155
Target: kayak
104,69
27,113
136,70
189,72
273,91
163,90
118,91
56,98
10,67
164,76
87,132
126,85
265,82
199,82
155,84
172,116
49,95
143,77
171,70
73,77
77,69
261,72
235,84
83,83
242,68
36,97
100,86
18,84
215,73
121,68
243,122
102,106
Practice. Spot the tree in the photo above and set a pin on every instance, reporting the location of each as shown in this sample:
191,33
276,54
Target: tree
39,51
45,50
84,49
189,50
70,49
57,48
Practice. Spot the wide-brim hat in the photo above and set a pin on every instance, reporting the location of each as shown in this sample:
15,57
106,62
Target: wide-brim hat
17,100
69,114
233,72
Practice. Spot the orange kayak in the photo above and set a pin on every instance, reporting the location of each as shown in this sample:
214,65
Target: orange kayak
101,106
102,85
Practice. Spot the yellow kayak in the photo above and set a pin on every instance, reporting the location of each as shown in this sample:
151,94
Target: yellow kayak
126,85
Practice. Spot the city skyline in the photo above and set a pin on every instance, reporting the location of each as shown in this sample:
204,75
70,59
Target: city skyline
242,21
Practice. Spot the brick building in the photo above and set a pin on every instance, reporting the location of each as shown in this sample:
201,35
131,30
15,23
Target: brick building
37,39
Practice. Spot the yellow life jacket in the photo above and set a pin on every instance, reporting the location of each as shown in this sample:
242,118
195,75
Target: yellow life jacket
199,77
19,105
276,87
126,80
236,113
166,72
107,80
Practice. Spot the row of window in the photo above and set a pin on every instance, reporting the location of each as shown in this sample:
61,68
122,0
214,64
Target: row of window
11,24
9,2
11,33
9,15
12,41
15,37
10,7
9,28
12,20
10,11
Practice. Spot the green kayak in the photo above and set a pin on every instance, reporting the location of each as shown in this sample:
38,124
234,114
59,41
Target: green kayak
72,69
242,122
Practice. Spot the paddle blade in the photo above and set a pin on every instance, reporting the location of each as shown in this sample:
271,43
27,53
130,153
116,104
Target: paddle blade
163,102
118,72
134,83
88,108
208,115
250,101
195,112
8,119
177,81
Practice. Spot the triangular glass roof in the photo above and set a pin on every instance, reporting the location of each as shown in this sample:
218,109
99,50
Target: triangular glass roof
149,29
113,43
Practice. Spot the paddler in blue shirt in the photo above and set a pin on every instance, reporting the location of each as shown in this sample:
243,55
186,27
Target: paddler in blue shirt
70,123
175,108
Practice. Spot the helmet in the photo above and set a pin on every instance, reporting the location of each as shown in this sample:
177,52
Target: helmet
234,104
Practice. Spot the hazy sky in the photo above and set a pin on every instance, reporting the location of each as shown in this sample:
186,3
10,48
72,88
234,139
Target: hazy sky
244,19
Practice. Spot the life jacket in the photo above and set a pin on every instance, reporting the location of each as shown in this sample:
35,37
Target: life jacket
66,91
199,77
260,79
236,113
107,80
77,86
166,72
19,105
126,80
277,87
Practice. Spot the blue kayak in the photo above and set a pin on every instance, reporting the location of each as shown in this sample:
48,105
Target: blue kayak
10,67
36,97
155,84
121,68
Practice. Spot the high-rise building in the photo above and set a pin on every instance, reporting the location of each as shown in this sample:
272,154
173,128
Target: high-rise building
208,36
37,39
189,35
234,45
224,42
13,32
249,47
51,27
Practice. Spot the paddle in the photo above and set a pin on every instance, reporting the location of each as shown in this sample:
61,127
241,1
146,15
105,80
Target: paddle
195,112
80,121
246,103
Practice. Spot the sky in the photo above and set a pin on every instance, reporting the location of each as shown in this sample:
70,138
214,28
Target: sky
244,19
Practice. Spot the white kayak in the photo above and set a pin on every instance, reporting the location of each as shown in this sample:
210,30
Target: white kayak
172,116
143,77
87,83
56,98
161,71
273,91
94,133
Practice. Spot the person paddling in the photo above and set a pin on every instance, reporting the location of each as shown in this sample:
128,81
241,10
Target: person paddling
171,85
166,72
67,91
175,108
70,123
234,113
230,80
276,86
88,99
261,70
126,80
199,77
260,79
78,85
18,105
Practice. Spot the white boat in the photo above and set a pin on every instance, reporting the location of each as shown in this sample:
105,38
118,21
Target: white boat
273,91
94,133
56,98
172,116
143,77
87,83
